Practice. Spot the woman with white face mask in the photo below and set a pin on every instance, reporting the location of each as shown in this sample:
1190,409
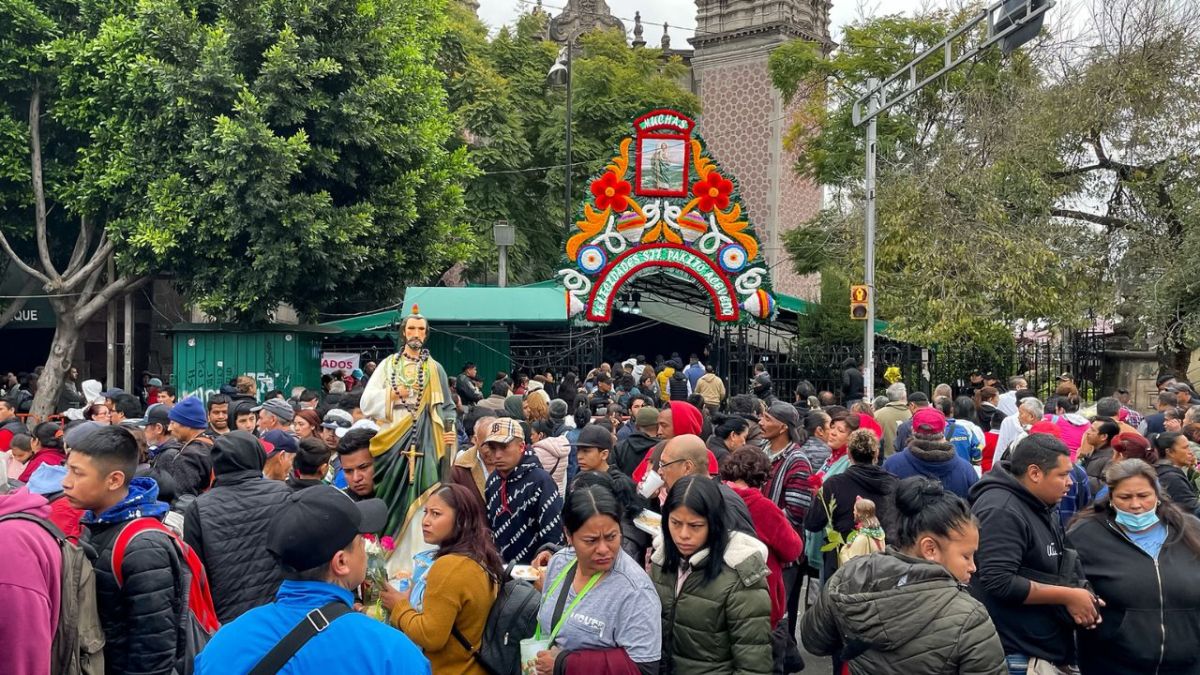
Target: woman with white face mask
1141,554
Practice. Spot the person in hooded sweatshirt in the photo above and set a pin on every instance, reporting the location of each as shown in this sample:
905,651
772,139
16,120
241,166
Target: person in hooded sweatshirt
1072,425
863,479
552,451
227,526
679,418
524,506
906,607
929,454
142,617
30,583
1027,576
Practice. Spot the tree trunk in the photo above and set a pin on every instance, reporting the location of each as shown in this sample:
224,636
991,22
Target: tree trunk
62,348
1180,360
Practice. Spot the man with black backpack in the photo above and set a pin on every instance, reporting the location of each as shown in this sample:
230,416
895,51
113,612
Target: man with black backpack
141,581
316,535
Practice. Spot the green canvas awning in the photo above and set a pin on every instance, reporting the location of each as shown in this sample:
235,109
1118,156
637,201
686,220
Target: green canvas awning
479,304
489,304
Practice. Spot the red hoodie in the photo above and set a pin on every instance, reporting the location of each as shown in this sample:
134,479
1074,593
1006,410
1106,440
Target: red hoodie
686,419
783,544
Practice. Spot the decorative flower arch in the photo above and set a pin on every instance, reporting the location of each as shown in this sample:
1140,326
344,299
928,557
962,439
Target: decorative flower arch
680,212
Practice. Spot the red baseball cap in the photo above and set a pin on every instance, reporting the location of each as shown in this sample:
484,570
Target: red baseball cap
1045,427
929,421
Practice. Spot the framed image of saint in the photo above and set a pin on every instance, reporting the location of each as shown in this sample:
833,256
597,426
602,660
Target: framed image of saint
662,166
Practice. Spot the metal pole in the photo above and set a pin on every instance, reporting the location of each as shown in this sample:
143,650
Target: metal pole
502,270
567,213
869,248
128,350
110,335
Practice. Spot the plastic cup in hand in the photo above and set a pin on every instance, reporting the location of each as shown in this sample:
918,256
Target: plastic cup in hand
651,482
530,648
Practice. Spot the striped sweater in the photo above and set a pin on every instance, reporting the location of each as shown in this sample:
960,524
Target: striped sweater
524,510
792,484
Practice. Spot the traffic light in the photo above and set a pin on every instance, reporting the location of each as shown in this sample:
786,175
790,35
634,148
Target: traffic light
859,294
1014,12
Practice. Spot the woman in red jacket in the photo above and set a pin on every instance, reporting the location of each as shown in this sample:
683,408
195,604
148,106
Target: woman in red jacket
746,471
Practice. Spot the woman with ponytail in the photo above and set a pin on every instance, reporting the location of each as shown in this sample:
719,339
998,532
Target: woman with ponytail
907,607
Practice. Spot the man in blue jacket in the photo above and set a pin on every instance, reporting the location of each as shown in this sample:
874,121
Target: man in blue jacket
316,536
929,454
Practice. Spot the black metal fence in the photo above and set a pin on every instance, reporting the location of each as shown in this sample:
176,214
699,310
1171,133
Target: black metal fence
1040,362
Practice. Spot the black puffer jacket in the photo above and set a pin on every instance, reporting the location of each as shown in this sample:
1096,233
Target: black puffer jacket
677,385
142,618
227,526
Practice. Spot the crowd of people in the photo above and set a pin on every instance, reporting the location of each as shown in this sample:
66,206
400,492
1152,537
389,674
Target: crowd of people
639,519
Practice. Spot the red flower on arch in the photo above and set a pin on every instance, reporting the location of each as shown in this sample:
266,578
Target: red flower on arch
712,192
611,192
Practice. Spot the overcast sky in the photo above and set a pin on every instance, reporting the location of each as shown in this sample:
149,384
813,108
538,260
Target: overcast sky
680,13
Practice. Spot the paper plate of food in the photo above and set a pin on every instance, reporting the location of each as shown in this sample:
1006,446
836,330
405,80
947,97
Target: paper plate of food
649,522
526,573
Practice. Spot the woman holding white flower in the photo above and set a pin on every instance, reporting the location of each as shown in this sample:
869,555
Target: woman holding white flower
460,585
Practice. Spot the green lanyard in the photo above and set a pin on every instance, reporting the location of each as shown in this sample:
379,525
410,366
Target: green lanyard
537,634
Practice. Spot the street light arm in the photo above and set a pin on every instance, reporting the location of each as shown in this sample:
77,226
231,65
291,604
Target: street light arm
906,77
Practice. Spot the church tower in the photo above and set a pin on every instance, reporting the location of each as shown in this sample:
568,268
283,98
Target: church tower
744,120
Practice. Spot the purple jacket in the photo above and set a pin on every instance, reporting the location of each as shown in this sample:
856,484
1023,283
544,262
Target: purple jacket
30,573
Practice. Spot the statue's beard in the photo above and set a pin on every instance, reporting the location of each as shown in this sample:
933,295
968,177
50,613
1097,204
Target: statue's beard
414,344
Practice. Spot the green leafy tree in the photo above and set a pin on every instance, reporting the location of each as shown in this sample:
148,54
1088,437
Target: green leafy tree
514,124
260,153
967,235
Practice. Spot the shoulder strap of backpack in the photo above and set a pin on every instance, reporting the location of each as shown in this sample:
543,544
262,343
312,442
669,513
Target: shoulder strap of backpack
314,622
199,596
46,524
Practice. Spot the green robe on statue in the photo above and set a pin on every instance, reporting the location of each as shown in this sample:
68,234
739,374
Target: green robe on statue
411,402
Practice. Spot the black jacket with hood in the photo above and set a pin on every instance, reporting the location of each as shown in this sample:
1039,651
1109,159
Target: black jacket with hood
868,481
227,527
1175,483
630,452
1020,536
1151,617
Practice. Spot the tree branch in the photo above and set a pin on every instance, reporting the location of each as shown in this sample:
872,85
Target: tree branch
81,244
18,303
1107,221
21,263
122,285
1075,171
89,287
99,258
39,190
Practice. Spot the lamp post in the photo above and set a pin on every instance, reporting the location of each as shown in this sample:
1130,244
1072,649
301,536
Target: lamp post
504,235
560,74
1009,23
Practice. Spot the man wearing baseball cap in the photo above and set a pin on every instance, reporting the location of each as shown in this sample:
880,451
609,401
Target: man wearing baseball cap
316,537
334,426
280,448
274,413
524,507
930,454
